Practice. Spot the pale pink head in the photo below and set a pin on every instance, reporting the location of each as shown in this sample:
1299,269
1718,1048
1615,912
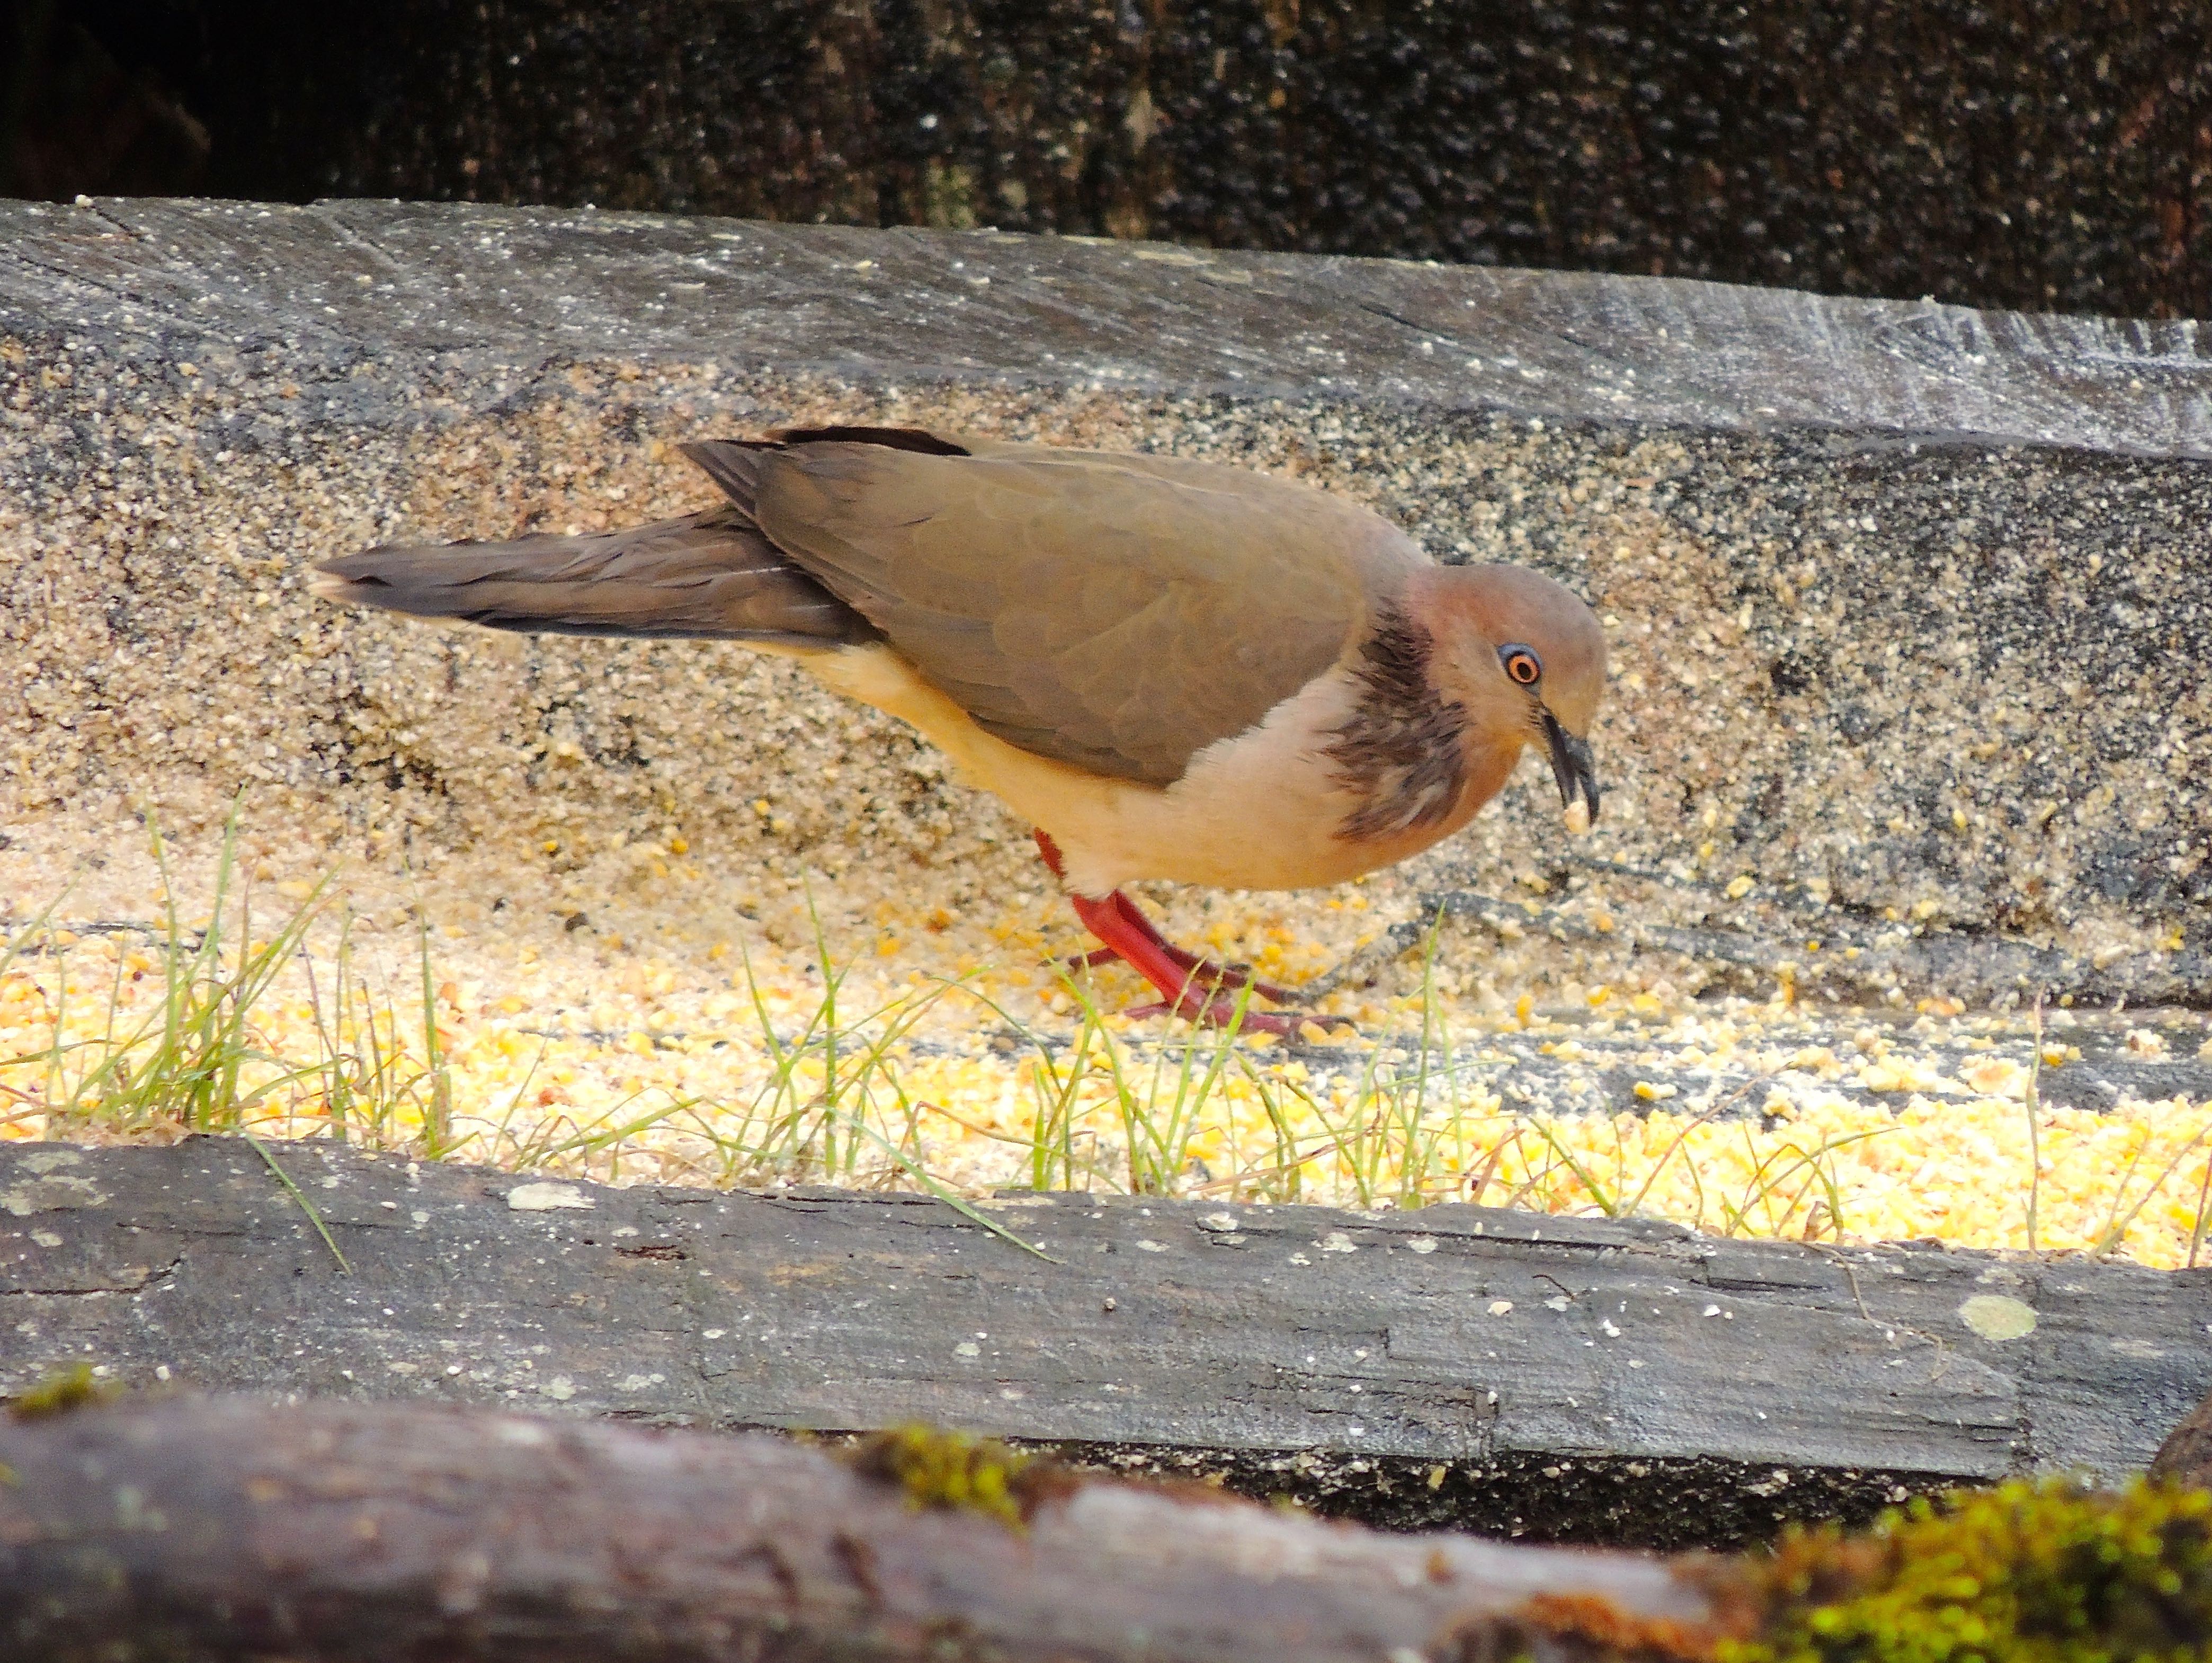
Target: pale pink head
1525,658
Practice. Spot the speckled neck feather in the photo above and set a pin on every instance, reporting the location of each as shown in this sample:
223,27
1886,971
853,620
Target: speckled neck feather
1400,752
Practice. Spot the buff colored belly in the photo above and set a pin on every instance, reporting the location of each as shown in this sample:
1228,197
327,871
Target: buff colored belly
1256,811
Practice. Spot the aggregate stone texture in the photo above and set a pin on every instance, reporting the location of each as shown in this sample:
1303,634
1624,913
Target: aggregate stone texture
1907,604
1989,152
1621,1380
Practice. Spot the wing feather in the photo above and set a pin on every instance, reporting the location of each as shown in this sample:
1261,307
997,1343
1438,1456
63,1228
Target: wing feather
1116,612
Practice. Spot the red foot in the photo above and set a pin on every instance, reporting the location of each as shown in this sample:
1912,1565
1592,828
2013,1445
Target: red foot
1181,993
1189,986
1211,972
1227,977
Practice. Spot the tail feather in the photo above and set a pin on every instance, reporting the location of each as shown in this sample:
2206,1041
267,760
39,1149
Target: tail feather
711,575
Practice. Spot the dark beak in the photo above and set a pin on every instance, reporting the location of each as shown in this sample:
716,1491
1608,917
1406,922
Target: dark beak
1570,766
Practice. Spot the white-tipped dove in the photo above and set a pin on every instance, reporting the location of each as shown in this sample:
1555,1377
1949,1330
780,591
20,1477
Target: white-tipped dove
1172,669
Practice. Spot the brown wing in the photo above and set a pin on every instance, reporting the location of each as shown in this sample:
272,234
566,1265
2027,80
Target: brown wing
1116,612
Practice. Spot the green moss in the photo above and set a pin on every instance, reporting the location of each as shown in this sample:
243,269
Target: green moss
2025,1573
940,1469
950,190
60,1392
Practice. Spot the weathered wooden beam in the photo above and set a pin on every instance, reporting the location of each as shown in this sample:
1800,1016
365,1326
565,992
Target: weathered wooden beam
198,1529
1505,1370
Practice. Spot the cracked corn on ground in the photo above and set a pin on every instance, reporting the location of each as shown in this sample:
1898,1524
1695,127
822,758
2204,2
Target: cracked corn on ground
602,839
828,1033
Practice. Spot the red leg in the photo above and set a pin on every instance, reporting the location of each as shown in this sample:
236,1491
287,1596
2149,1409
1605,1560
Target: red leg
1188,986
1194,968
1205,970
1182,994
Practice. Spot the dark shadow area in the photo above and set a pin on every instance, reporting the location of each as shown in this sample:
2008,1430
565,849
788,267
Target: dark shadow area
76,116
2018,154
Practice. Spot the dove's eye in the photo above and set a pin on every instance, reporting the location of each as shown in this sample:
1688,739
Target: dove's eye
1522,664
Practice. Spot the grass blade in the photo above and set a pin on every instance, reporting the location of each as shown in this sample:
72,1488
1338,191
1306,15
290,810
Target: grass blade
300,1196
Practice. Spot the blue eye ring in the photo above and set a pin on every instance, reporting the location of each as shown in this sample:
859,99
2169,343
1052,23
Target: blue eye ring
1522,667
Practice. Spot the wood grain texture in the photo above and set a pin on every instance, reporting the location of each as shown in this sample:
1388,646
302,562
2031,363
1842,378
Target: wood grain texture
986,306
1361,1360
199,1529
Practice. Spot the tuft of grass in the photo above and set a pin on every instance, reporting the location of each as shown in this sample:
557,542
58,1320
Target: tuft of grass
188,1062
199,1059
277,1024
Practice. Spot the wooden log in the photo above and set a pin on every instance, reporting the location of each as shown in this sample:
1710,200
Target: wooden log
198,1529
1504,1371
